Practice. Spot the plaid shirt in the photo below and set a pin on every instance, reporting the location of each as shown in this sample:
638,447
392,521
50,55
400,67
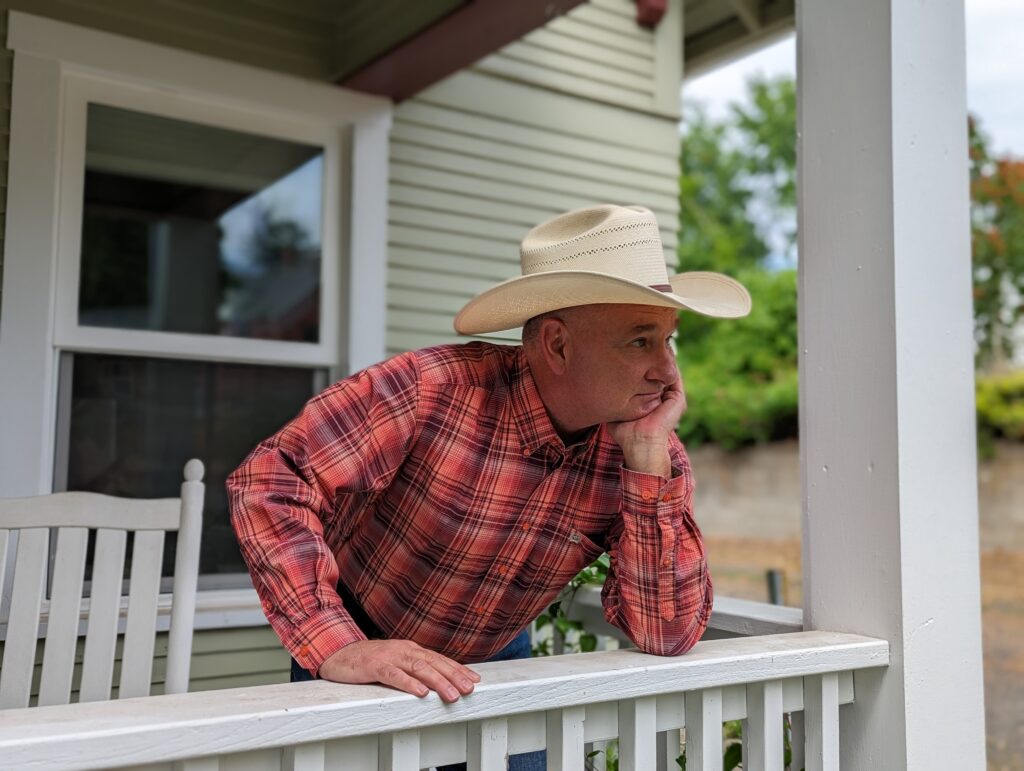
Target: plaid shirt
434,487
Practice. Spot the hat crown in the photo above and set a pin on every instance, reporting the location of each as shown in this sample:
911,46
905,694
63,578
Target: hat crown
621,241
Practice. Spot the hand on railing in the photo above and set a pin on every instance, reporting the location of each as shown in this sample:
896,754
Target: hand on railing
402,664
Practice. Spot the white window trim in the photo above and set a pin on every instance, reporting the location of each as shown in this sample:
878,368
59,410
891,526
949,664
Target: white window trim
80,91
55,65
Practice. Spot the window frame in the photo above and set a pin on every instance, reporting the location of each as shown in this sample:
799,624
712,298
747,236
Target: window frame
82,90
58,69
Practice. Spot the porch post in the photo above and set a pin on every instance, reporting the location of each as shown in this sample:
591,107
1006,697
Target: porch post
886,371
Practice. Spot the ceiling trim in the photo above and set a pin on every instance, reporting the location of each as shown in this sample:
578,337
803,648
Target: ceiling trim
753,27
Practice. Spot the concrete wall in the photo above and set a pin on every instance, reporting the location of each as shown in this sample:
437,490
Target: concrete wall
755,493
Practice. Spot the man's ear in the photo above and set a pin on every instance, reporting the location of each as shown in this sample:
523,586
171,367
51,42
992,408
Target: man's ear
555,344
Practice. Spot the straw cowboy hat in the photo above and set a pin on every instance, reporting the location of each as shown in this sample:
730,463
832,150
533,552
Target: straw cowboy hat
601,254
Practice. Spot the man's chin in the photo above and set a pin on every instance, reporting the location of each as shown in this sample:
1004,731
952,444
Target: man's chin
637,412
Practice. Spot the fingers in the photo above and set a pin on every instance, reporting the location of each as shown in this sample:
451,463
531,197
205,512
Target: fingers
402,664
438,674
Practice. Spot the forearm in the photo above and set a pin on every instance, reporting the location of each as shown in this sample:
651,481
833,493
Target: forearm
659,592
293,571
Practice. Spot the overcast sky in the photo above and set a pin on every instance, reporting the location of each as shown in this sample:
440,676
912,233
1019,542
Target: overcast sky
995,72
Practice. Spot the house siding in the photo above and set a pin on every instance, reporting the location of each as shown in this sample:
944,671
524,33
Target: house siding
572,114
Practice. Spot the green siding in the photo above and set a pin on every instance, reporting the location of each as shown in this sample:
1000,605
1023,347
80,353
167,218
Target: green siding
566,117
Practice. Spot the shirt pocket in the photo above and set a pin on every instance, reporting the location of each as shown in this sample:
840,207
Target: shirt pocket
567,553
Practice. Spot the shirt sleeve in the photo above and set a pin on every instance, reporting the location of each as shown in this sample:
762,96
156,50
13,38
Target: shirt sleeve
296,492
659,589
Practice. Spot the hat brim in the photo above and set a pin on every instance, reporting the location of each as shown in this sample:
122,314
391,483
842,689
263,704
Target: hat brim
512,303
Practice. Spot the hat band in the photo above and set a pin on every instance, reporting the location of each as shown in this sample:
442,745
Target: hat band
666,288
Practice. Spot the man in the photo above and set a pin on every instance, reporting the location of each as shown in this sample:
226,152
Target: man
416,516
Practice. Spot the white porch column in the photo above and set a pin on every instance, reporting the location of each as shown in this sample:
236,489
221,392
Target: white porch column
887,407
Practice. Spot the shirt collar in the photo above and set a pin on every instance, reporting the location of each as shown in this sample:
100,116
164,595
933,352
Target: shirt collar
530,414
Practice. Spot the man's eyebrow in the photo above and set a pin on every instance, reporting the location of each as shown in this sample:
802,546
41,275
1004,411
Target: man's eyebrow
645,327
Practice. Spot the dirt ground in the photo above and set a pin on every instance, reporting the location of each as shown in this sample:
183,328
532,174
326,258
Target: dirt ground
738,569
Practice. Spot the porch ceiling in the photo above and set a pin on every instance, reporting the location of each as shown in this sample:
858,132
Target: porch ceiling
719,30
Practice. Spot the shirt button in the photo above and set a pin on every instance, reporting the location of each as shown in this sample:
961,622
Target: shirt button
526,526
479,608
501,570
666,561
526,453
303,650
648,496
666,498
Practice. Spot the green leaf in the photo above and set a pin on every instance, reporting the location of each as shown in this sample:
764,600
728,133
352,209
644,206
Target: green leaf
733,757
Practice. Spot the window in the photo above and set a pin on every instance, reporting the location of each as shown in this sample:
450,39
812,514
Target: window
187,244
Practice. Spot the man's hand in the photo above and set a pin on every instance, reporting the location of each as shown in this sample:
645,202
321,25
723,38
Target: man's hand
644,441
401,664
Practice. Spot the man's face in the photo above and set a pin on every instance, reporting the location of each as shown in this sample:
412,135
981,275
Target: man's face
621,360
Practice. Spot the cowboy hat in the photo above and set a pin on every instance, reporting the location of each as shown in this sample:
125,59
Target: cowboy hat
601,254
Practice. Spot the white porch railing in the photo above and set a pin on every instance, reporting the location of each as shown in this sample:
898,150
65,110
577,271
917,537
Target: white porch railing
559,703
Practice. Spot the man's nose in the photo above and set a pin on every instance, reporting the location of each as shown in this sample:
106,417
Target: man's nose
664,369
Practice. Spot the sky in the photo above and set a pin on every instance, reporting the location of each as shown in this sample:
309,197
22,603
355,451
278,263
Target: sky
995,73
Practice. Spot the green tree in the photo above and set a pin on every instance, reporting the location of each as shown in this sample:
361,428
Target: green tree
738,194
736,174
716,232
997,244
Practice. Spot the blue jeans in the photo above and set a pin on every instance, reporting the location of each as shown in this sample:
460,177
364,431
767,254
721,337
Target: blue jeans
519,648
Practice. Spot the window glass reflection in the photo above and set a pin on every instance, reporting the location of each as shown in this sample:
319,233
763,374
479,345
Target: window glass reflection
134,422
190,228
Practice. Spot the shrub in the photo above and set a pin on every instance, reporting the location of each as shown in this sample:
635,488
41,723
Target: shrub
1000,400
741,376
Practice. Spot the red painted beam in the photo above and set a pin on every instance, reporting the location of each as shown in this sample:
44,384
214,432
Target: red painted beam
650,12
478,28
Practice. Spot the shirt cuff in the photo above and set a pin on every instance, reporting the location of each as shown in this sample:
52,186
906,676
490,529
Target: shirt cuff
320,636
645,493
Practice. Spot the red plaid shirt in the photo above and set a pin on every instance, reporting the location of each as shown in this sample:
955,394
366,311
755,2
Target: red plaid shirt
434,487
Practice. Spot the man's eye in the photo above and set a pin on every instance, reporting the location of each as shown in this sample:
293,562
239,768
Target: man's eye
640,342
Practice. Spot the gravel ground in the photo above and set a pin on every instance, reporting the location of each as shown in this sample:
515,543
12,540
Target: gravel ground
738,568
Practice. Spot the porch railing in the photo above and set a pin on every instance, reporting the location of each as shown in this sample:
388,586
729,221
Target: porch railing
559,703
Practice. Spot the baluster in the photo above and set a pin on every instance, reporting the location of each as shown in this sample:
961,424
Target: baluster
744,746
796,740
309,757
487,745
211,763
764,724
821,722
704,730
669,748
400,751
565,739
637,746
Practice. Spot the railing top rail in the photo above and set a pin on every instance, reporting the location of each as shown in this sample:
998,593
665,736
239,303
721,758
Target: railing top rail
748,617
125,732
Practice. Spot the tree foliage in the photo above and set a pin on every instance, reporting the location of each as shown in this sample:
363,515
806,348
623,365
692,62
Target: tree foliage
997,244
738,216
741,377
